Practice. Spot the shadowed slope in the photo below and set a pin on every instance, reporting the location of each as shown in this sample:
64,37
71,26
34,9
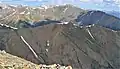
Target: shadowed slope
100,18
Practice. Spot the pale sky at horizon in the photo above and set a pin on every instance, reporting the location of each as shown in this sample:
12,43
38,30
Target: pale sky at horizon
87,4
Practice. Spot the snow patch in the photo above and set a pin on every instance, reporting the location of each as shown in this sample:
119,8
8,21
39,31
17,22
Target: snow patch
22,12
46,50
89,26
28,13
7,26
63,23
27,8
114,31
81,26
45,7
13,5
57,5
93,24
65,10
91,12
13,9
34,8
90,33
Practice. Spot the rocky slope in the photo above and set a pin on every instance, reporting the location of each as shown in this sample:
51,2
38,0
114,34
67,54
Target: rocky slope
8,61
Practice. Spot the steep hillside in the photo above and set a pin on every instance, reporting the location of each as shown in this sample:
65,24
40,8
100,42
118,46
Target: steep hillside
100,18
94,48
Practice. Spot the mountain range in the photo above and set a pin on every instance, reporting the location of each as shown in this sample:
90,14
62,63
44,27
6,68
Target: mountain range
89,39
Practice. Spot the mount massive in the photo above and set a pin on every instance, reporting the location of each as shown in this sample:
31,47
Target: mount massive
90,39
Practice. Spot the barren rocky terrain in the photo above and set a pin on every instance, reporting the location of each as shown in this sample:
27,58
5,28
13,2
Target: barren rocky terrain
8,61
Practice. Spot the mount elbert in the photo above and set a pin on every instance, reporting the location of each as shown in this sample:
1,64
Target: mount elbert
90,40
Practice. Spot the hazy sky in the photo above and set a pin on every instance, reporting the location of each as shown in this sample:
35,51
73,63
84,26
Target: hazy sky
87,4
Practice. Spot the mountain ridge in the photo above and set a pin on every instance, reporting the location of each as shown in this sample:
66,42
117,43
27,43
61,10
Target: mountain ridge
58,13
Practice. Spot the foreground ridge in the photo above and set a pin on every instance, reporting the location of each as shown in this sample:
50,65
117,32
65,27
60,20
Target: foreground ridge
8,61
